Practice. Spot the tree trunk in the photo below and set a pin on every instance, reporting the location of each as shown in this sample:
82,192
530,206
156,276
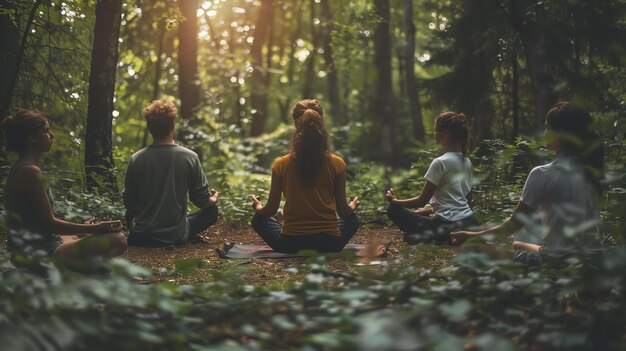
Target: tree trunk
98,144
515,97
382,101
258,95
331,70
309,75
9,51
415,108
11,58
236,118
291,65
188,80
533,35
157,75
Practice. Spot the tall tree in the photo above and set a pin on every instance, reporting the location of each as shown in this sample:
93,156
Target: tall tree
383,100
10,55
158,67
529,21
309,74
415,108
188,79
329,60
258,96
104,56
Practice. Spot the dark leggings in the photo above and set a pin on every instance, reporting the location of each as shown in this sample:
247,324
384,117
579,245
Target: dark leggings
199,221
270,231
422,229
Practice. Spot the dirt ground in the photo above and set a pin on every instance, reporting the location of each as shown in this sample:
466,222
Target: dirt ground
199,261
209,266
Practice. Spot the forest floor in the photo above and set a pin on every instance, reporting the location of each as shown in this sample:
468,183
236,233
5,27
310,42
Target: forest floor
209,266
199,262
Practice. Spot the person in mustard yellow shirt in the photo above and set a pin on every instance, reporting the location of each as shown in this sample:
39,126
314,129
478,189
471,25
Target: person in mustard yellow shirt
313,182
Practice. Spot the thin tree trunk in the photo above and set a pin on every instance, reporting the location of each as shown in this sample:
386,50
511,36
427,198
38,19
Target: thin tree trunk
366,82
515,97
294,34
382,101
236,88
188,84
258,96
157,75
98,130
9,51
331,70
309,75
415,108
282,30
533,36
7,90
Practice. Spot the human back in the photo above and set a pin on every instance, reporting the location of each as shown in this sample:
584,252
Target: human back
309,207
313,181
158,180
163,175
453,175
558,208
566,191
566,200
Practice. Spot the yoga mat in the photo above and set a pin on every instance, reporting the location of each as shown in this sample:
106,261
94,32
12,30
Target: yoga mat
232,250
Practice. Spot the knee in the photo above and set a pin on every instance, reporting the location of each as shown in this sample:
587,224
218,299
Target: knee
352,220
213,210
210,212
257,219
213,213
392,211
117,242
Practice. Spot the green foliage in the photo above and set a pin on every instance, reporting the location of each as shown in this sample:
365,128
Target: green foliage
464,60
479,303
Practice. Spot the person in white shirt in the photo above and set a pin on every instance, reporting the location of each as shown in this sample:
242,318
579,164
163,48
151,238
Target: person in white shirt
562,195
447,188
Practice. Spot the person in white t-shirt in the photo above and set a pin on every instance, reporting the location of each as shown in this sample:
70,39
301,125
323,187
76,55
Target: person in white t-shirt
447,188
562,194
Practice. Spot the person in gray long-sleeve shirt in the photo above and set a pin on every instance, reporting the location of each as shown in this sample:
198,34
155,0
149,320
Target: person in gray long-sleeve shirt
158,179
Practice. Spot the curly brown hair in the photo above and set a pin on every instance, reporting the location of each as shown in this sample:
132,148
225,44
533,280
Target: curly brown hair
310,140
160,116
457,125
19,127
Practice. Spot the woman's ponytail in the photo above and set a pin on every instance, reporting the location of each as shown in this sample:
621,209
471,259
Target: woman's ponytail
310,141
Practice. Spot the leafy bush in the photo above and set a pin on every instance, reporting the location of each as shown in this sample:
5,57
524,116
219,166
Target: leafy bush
478,303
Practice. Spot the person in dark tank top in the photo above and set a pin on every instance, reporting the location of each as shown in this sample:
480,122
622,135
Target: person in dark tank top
33,227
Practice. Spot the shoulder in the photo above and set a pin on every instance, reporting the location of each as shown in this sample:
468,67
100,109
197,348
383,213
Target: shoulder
538,174
26,170
184,151
138,154
28,174
336,159
281,161
437,162
467,162
541,170
338,163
